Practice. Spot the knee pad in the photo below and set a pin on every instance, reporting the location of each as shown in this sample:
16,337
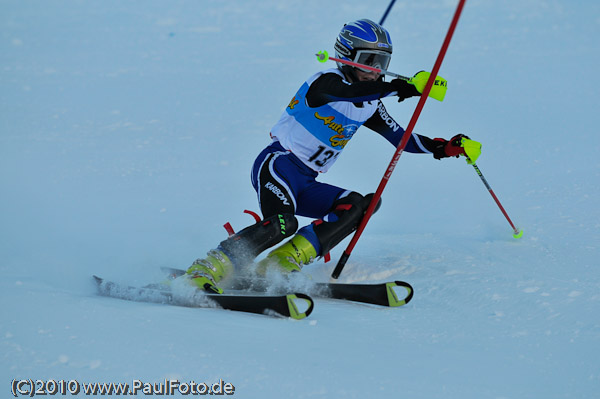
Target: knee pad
248,243
343,219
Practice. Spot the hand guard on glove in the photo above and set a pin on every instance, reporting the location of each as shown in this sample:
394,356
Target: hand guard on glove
449,148
438,90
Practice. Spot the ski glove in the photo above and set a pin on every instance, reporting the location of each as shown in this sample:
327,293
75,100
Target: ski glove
448,148
404,89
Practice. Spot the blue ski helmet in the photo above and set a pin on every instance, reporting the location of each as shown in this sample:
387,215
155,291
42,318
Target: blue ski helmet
364,42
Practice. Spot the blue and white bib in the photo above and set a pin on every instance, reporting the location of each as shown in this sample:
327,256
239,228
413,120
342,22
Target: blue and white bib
318,135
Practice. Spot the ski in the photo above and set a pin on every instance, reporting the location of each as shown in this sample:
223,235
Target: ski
383,294
286,305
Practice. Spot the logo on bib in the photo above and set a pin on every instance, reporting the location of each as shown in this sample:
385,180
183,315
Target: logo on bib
340,140
293,103
328,121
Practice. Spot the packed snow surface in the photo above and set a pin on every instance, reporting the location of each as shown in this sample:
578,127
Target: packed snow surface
127,131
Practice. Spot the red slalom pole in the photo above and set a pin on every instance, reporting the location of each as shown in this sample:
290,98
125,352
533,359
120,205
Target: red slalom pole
413,121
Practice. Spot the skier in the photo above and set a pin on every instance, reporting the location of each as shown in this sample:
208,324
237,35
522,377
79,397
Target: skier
315,127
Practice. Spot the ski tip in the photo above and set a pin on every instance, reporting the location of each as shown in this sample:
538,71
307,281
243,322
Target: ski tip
172,272
102,286
393,300
294,311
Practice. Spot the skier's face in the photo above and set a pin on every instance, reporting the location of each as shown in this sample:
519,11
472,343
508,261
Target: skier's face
364,76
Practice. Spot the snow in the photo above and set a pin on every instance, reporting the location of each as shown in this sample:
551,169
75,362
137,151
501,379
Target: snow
127,130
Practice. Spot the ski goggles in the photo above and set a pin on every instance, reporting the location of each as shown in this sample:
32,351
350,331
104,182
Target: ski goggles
373,58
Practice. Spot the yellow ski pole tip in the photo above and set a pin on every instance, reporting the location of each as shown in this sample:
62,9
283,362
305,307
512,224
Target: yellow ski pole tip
518,234
322,56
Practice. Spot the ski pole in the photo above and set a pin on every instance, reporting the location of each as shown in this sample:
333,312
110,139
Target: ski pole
516,232
387,11
371,208
323,56
438,91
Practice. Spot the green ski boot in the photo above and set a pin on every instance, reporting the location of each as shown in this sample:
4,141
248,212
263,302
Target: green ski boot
206,273
289,257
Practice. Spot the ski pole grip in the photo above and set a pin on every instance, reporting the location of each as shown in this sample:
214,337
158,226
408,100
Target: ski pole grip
340,265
